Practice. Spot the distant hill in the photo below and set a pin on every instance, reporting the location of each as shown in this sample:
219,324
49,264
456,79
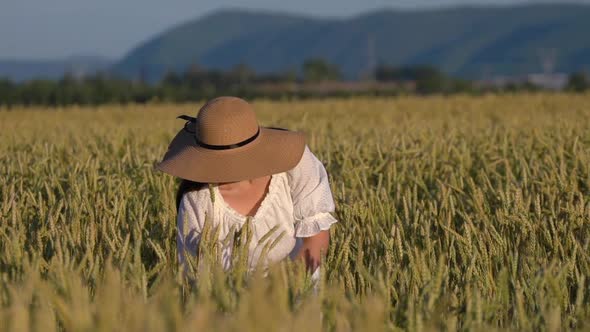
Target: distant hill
465,41
23,70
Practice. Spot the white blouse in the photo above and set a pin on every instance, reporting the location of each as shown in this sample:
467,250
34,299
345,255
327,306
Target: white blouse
298,204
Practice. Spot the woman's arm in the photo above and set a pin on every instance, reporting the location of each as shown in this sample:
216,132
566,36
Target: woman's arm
312,208
188,229
313,248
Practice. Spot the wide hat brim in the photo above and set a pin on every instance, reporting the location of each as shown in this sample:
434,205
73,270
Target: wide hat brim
273,151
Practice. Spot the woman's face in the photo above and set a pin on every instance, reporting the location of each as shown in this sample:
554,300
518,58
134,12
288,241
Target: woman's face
242,184
224,185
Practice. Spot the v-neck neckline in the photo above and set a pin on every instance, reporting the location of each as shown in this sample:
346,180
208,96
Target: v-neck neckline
258,210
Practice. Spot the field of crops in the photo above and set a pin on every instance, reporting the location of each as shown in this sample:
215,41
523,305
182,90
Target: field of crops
455,213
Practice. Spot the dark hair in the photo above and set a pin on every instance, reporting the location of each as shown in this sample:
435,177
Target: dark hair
184,187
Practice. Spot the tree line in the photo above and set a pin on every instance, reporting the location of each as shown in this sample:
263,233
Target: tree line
317,77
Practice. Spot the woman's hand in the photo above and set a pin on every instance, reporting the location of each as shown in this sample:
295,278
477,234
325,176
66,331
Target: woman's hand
312,249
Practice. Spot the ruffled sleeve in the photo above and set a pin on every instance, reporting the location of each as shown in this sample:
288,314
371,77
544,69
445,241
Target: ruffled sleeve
190,221
311,195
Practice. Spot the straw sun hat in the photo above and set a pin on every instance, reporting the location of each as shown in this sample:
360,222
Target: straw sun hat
224,143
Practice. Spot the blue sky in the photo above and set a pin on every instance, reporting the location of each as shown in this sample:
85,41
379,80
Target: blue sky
46,29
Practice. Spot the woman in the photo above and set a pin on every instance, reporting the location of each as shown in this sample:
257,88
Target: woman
235,170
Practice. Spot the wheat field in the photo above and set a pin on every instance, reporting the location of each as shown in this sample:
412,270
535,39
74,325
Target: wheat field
456,213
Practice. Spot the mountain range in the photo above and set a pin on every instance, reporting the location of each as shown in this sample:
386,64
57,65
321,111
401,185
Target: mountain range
470,42
463,41
24,70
